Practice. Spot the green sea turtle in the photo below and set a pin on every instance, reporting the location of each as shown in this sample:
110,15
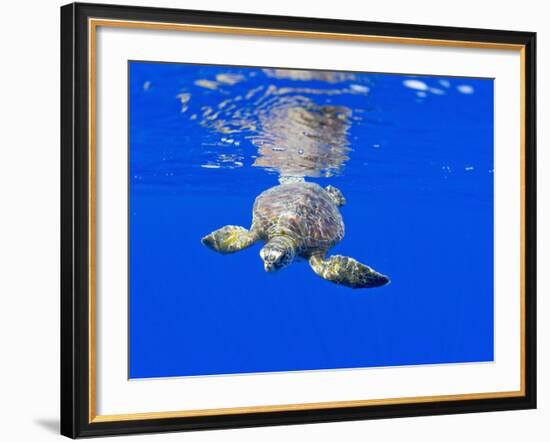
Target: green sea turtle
298,219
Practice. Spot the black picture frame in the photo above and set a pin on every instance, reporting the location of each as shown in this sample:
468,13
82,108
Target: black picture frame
75,220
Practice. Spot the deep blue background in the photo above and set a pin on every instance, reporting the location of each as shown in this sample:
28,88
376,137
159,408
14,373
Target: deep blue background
419,185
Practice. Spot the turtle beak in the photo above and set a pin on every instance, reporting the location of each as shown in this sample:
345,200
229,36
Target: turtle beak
270,259
269,265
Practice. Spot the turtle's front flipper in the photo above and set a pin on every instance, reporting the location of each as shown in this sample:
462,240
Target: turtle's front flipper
347,271
230,239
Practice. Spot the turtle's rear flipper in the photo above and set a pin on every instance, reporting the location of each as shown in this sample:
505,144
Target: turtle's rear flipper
229,239
347,271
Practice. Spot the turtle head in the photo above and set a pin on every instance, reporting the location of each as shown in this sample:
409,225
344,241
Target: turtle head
278,253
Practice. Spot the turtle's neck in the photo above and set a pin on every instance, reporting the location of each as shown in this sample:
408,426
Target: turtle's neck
282,243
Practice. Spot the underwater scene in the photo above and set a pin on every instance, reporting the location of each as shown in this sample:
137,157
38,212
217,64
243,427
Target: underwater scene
288,220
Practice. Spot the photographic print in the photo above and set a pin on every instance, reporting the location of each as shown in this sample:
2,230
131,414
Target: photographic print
272,220
291,220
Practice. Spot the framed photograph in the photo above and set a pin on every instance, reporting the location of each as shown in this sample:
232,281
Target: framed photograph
275,220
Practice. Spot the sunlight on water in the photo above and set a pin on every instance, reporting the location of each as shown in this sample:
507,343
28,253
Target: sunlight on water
304,75
416,84
465,89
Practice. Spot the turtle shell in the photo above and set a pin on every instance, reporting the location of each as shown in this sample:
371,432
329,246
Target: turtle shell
301,210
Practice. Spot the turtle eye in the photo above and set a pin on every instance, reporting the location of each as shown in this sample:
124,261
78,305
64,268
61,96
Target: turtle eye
274,256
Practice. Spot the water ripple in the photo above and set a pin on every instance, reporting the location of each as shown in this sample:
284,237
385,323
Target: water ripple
294,127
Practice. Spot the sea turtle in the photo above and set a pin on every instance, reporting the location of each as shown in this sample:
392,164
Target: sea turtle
298,219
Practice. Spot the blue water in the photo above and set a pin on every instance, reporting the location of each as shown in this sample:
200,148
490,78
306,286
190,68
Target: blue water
412,155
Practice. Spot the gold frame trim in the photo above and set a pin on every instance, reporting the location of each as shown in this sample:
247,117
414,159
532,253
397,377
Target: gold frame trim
93,24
